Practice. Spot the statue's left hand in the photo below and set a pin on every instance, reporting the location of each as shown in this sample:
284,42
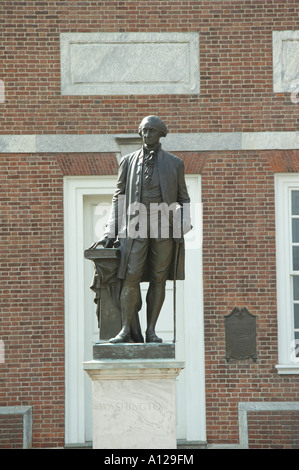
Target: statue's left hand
106,242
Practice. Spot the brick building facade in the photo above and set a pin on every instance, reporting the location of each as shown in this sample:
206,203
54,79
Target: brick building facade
237,134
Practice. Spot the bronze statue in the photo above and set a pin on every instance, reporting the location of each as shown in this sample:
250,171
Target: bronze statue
149,216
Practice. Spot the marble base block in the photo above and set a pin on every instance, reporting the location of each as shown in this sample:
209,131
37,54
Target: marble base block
134,403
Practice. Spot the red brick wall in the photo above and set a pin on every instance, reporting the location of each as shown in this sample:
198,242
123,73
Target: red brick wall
32,291
240,270
235,66
273,430
11,431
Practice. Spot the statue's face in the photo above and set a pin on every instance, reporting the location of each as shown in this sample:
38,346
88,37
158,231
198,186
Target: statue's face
150,135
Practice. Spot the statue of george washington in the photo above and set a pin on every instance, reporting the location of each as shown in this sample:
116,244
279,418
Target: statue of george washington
151,183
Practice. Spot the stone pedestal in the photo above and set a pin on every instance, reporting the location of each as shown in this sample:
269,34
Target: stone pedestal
134,403
151,351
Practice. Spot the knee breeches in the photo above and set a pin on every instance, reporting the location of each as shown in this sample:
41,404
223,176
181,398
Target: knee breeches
155,254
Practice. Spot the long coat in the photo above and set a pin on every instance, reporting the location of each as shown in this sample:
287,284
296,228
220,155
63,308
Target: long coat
128,189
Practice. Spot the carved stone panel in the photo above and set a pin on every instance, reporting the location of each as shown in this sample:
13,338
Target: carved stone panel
129,63
285,61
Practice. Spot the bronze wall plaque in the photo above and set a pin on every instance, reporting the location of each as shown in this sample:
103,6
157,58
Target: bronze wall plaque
240,334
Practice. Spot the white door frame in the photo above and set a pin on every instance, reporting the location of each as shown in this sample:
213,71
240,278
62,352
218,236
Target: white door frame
75,188
194,320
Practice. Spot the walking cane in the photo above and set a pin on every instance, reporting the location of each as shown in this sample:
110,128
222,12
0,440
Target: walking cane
177,245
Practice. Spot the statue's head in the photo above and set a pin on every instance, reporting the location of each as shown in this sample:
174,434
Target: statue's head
155,123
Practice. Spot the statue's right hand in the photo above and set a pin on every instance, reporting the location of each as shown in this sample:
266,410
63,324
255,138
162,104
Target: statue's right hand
106,242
